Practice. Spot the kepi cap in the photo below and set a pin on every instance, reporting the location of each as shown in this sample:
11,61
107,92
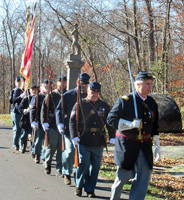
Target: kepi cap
95,86
46,81
143,76
18,78
84,78
60,77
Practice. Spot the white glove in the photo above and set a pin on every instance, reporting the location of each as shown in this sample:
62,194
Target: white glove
60,127
127,125
23,95
45,126
75,141
157,154
29,137
34,125
112,141
25,111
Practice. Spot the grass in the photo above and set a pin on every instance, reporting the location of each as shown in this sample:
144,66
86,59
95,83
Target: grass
6,118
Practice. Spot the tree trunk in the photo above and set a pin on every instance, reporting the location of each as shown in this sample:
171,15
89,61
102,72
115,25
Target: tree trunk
136,36
151,32
164,46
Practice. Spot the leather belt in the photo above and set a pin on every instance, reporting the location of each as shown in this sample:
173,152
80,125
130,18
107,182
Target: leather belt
144,137
94,130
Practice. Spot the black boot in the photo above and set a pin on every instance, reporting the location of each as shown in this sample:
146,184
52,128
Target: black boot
48,169
32,155
37,159
24,147
78,192
91,195
17,147
67,179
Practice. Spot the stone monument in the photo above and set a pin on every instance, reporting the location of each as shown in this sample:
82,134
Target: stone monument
74,63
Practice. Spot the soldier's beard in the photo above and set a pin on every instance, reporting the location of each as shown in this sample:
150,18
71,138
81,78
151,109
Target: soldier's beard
83,90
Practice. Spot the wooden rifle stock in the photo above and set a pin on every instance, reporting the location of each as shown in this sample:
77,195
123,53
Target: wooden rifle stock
62,114
47,116
46,139
37,121
76,162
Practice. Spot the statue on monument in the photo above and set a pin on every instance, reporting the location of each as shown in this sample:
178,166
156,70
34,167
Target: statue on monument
76,49
74,62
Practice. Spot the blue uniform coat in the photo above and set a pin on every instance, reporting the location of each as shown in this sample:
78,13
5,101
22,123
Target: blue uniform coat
25,120
69,98
35,112
16,100
54,99
126,149
91,123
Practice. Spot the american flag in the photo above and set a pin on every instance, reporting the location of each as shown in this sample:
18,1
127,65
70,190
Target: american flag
25,69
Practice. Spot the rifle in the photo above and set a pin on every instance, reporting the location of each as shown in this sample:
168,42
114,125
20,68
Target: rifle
48,101
37,121
62,114
77,123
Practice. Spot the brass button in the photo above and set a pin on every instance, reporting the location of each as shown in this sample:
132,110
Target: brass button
93,133
143,132
144,122
94,122
145,113
141,141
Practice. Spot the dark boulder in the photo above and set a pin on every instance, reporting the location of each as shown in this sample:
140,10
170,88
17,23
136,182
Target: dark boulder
169,113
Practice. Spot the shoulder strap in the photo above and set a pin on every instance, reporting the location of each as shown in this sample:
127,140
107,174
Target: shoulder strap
148,108
95,109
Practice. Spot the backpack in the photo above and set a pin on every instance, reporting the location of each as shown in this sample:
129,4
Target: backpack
11,96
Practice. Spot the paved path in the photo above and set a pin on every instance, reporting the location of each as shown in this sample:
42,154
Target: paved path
22,179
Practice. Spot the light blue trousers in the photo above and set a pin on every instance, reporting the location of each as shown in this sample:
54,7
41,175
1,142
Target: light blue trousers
16,129
40,143
54,145
89,166
24,136
67,156
141,178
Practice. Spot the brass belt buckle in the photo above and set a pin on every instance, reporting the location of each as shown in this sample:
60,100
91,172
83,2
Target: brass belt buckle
93,129
140,137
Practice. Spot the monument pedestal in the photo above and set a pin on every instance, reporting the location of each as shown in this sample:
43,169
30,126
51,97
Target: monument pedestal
73,66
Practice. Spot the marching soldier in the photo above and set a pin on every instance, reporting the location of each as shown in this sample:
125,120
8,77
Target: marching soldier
38,132
69,98
133,144
18,95
59,84
91,139
24,108
54,137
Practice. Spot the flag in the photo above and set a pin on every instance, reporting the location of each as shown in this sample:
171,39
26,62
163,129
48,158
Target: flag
25,69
